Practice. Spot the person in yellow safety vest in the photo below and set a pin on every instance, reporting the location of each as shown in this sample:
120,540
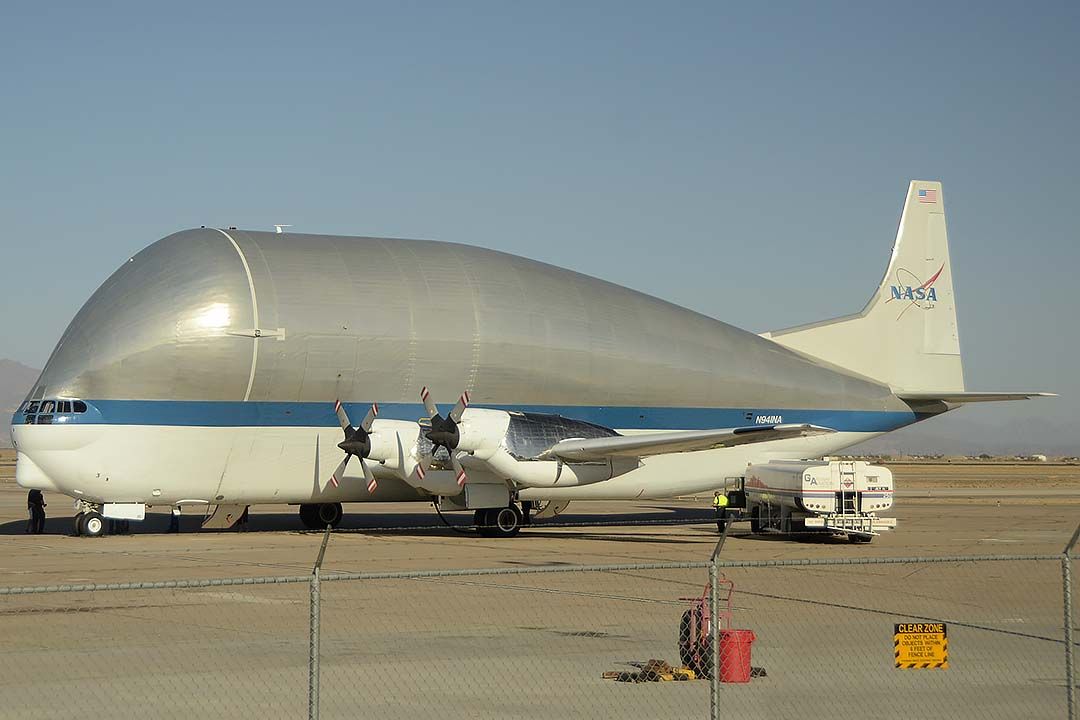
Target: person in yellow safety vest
720,503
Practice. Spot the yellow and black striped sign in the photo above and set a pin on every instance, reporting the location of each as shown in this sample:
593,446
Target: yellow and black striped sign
921,646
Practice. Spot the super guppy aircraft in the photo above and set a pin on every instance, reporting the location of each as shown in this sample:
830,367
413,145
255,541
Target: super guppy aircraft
227,367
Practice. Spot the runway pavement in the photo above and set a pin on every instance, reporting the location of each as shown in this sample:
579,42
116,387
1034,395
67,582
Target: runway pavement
534,645
932,520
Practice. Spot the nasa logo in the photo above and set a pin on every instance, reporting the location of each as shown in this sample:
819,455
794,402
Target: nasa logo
910,293
918,294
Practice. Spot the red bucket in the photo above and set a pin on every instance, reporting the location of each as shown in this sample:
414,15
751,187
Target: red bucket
734,652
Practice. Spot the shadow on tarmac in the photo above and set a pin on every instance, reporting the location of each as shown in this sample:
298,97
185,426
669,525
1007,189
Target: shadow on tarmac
422,523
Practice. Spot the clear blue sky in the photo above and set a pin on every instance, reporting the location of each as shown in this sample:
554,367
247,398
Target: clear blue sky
747,161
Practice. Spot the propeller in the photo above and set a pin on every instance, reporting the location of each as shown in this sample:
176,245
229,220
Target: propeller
444,430
357,442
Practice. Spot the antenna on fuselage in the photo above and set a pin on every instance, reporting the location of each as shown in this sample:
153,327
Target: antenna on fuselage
278,228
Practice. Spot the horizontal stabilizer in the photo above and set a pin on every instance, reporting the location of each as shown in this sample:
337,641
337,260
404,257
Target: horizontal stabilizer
970,397
628,446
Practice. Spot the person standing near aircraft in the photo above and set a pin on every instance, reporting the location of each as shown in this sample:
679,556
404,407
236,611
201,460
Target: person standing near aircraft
35,503
720,503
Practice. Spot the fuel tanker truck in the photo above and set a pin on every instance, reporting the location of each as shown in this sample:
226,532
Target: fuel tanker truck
816,496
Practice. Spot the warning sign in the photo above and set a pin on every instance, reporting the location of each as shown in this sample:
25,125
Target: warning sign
919,646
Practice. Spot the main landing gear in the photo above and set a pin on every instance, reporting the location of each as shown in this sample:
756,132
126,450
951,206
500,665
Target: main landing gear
499,522
317,516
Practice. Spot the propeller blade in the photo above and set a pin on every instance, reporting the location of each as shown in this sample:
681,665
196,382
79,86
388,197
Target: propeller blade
342,416
370,417
421,468
429,404
369,476
459,472
335,479
462,403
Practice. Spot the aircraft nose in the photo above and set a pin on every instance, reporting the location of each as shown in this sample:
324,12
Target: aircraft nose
28,475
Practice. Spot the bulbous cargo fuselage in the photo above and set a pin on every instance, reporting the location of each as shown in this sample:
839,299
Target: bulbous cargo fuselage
260,332
374,319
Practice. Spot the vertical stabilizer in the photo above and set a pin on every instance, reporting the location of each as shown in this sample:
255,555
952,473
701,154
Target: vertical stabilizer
906,336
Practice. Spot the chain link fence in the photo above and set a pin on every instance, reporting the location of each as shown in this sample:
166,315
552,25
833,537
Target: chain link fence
551,641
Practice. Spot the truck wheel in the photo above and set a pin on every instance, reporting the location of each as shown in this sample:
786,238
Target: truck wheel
755,519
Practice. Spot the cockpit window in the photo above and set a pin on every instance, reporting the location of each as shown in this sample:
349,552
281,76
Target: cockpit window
46,408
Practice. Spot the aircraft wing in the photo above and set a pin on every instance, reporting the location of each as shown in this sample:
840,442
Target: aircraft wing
625,446
970,397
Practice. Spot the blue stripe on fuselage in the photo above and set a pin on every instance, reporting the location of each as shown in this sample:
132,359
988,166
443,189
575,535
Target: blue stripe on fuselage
197,413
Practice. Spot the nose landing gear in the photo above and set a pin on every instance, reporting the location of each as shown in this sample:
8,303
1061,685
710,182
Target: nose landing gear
89,522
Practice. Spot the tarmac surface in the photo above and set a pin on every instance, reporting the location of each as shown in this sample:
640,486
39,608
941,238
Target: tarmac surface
534,645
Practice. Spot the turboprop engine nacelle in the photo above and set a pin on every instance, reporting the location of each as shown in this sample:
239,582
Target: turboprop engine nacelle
510,445
502,443
482,431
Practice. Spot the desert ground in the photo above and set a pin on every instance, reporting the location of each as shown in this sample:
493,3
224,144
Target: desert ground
535,645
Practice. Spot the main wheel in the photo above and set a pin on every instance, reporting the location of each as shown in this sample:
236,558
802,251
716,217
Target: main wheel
481,519
859,539
328,514
92,524
506,522
499,522
309,515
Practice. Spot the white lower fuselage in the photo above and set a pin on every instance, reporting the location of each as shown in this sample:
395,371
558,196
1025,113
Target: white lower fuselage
165,465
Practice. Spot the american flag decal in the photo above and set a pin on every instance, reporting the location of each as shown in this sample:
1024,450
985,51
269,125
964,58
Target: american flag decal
461,479
372,485
334,480
927,196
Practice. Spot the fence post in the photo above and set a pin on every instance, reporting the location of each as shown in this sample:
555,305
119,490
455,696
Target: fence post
714,627
313,632
1066,587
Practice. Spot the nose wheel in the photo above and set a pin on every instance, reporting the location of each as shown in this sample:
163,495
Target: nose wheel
90,524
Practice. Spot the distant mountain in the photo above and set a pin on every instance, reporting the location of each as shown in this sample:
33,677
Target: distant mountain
16,380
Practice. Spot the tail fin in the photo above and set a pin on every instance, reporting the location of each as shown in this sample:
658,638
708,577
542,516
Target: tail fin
906,336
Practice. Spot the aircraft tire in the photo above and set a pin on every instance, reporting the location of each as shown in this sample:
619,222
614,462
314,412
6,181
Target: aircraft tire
506,522
499,522
481,521
328,514
92,524
860,539
309,515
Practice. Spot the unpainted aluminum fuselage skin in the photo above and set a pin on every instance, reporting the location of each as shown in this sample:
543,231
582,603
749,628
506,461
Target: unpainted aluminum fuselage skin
210,362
